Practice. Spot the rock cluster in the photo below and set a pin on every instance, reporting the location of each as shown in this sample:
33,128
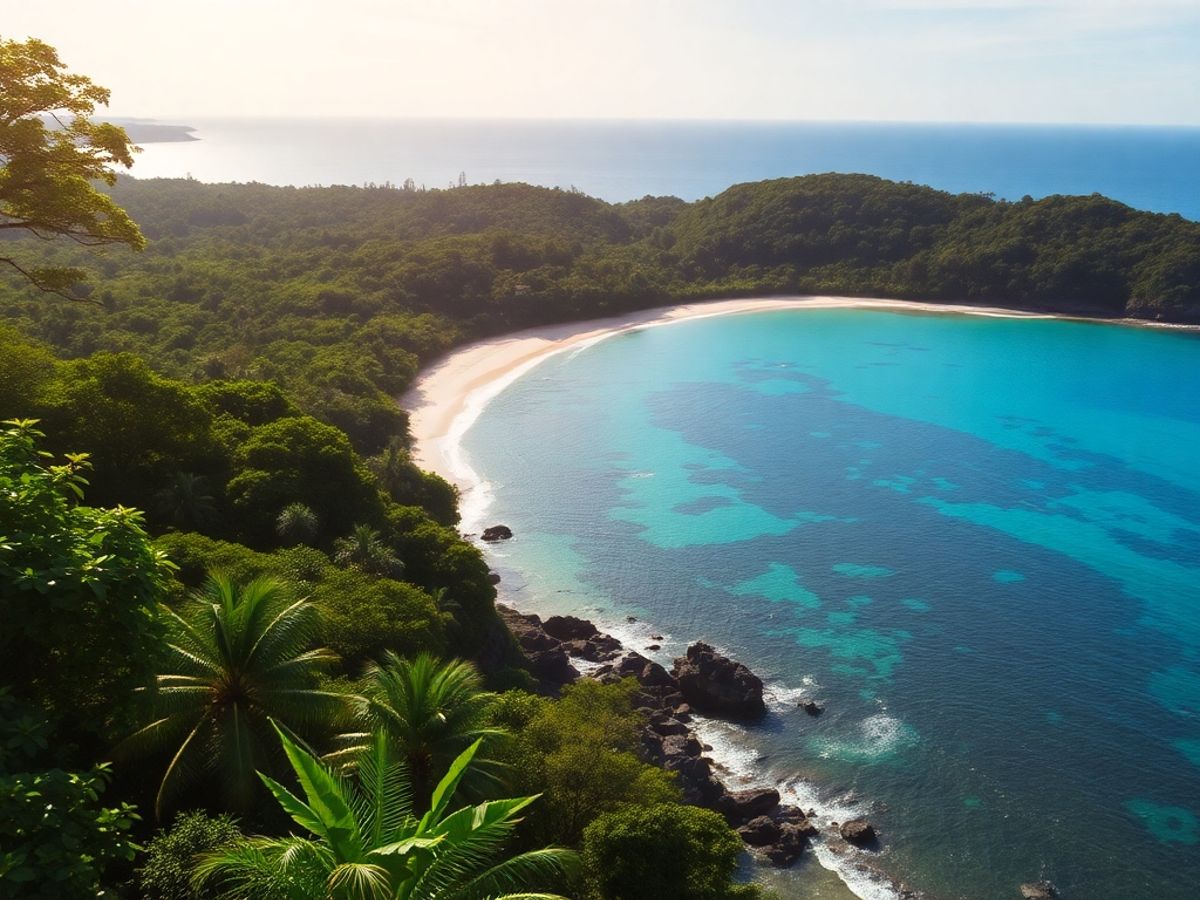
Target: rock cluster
715,684
703,680
1039,890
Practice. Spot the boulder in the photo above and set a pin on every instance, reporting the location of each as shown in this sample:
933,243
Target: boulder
669,726
714,683
497,533
760,831
790,844
1039,890
569,628
858,832
742,806
812,707
493,577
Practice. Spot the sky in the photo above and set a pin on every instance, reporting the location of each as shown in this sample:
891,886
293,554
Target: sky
1086,61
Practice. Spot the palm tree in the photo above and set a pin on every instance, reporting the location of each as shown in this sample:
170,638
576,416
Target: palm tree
297,524
187,502
430,710
236,657
368,844
365,549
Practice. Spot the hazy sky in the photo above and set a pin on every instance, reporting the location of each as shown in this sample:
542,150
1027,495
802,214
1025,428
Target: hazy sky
984,60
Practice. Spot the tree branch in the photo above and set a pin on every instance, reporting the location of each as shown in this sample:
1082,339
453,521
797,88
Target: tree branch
33,279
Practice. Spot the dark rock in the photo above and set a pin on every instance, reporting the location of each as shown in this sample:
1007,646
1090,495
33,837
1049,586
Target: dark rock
714,683
812,707
497,533
653,647
656,637
742,806
760,831
682,710
552,665
858,832
631,619
493,577
569,628
1039,890
789,846
669,726
677,747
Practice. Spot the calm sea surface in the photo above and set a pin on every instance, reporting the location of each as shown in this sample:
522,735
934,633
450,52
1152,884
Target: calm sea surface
1148,168
977,541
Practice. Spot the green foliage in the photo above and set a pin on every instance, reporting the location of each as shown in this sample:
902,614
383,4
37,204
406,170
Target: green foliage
139,428
363,549
57,838
68,570
429,710
580,751
235,657
300,460
363,616
171,857
367,843
297,524
662,852
252,402
52,155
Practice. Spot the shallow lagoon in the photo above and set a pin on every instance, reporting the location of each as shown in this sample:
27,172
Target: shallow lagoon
976,540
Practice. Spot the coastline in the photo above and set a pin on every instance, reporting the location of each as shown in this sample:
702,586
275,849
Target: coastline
449,396
451,393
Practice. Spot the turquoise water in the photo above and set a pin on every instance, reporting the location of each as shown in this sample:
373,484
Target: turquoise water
1147,168
976,541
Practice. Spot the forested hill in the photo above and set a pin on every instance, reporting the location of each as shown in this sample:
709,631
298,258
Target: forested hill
340,293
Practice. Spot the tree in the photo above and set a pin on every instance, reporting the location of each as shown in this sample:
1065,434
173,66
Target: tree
429,710
68,570
53,155
368,844
236,657
663,852
57,839
168,868
187,502
365,550
297,524
580,750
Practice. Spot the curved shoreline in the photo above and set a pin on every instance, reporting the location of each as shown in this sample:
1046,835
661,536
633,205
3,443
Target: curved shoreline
451,393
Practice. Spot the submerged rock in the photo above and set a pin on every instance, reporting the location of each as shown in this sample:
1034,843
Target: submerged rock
714,683
1039,890
497,533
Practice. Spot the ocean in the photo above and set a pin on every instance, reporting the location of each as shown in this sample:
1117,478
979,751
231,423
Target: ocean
975,540
1148,168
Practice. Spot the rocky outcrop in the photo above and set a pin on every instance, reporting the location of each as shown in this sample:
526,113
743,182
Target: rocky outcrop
859,832
496,533
714,683
570,628
545,655
739,807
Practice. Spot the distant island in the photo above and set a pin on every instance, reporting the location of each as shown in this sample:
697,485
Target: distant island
148,131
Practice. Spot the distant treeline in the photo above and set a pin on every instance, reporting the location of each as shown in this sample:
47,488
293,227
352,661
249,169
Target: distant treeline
341,293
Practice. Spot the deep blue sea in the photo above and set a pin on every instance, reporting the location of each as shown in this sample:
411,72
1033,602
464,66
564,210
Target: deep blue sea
975,540
1149,168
